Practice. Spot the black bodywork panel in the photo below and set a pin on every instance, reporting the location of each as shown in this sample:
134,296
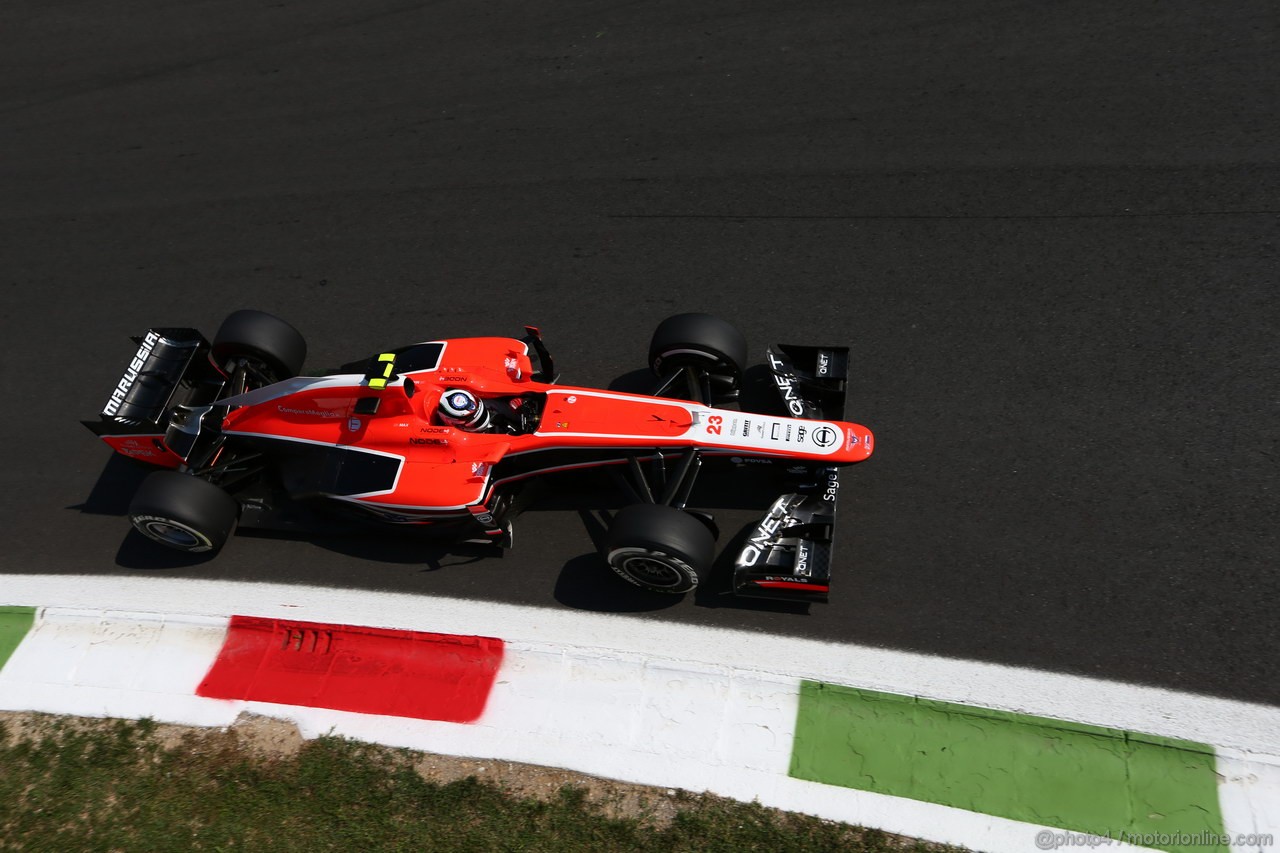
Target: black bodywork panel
171,367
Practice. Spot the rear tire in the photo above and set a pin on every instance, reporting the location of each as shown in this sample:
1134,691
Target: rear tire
660,548
261,337
183,512
702,341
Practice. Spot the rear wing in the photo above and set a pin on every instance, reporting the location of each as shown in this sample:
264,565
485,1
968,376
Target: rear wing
170,368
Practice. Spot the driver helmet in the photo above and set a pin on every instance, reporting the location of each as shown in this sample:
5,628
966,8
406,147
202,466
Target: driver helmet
460,408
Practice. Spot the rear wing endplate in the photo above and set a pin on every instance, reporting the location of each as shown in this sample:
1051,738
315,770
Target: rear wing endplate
140,400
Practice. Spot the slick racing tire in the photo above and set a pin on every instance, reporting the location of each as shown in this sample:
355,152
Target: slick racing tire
183,512
660,548
702,341
263,338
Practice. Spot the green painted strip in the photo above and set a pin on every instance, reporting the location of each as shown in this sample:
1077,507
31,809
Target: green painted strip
15,622
1051,772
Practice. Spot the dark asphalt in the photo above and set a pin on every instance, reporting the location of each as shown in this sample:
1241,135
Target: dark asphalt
1048,232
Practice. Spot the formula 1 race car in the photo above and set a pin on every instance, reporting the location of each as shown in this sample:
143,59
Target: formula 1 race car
246,440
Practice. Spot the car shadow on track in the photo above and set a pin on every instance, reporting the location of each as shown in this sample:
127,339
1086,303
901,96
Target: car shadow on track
138,552
402,548
115,487
587,583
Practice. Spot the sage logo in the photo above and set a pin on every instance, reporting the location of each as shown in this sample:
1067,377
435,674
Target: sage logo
825,436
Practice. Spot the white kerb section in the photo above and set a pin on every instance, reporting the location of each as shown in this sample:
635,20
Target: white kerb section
95,663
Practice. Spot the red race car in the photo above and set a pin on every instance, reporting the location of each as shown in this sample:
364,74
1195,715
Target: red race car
443,436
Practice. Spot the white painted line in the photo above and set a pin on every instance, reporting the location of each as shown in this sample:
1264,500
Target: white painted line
617,715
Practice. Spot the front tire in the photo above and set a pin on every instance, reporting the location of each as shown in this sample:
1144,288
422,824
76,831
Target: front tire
660,548
263,338
183,512
701,341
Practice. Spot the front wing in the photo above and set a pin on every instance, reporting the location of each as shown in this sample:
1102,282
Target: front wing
788,554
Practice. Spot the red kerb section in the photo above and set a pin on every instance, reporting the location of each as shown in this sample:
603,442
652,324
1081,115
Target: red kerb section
350,668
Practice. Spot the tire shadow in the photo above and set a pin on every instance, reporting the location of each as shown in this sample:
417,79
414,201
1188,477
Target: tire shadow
405,549
115,487
587,583
138,552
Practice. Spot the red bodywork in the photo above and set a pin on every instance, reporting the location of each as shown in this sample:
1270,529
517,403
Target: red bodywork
442,470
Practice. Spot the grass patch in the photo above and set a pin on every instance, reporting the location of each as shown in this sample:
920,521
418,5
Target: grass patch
120,786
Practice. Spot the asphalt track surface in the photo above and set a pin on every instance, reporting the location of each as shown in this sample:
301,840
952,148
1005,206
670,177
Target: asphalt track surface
1047,230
